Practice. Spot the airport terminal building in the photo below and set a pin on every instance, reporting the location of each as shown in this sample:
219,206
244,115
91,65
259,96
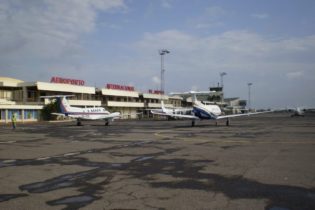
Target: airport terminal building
24,98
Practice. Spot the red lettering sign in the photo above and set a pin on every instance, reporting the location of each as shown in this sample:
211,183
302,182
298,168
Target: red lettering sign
156,92
120,87
67,81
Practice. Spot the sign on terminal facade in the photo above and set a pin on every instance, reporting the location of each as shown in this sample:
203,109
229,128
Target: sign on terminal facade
67,81
120,87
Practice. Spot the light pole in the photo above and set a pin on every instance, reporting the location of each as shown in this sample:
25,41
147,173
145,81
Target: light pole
221,75
249,105
162,52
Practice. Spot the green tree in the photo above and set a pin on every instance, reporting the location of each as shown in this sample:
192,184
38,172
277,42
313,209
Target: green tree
48,109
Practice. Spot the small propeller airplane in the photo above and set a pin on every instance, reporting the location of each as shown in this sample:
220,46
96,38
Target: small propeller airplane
80,114
200,111
297,112
165,110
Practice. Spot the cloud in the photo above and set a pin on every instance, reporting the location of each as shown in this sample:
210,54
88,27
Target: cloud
295,75
245,56
231,49
194,88
156,80
210,18
209,24
261,16
47,29
215,12
166,4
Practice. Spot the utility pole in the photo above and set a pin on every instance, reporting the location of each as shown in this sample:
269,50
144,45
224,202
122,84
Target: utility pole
249,85
162,52
221,76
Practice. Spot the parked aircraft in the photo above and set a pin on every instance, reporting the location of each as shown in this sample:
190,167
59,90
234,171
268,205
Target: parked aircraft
200,111
165,110
95,113
298,112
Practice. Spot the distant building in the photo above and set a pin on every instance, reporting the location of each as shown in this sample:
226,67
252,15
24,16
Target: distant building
12,95
24,98
235,105
217,95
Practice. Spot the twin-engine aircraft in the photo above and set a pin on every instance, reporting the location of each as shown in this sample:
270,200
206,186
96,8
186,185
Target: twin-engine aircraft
80,114
200,111
165,110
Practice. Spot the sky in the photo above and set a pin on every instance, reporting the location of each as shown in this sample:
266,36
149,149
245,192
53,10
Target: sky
268,43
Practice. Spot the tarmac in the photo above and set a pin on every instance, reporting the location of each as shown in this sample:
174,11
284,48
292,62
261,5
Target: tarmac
258,162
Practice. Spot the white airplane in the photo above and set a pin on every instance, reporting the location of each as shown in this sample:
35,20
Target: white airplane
164,110
298,112
200,111
95,113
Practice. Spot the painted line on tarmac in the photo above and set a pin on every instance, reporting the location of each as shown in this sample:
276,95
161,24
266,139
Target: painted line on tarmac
199,139
8,161
158,134
59,156
43,158
7,142
71,154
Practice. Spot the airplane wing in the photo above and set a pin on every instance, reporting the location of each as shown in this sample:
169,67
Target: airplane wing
173,109
111,116
183,109
58,114
156,111
240,115
129,115
63,115
185,116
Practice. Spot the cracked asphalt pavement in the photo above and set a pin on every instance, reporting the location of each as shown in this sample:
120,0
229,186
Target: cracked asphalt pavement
259,162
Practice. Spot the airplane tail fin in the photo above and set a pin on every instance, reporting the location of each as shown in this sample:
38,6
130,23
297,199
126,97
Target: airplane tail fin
62,102
162,105
193,97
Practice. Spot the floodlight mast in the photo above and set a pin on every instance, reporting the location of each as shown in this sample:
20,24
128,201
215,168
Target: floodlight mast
221,75
249,85
163,52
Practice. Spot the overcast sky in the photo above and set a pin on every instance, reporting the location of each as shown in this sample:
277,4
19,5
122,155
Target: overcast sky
269,43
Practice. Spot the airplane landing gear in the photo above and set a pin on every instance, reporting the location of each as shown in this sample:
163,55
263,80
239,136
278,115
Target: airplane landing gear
193,123
79,122
227,122
106,123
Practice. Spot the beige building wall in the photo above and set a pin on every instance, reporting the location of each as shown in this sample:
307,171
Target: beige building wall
25,97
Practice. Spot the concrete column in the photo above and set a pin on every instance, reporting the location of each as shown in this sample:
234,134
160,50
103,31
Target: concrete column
6,116
22,117
24,94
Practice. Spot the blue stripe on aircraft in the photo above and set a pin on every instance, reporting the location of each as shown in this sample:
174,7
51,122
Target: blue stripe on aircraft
62,108
202,114
86,113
